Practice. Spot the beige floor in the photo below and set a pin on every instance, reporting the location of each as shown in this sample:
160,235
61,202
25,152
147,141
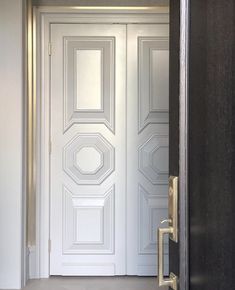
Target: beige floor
93,283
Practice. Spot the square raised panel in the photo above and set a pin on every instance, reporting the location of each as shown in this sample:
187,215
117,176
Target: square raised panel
88,223
89,85
153,71
89,88
89,218
152,209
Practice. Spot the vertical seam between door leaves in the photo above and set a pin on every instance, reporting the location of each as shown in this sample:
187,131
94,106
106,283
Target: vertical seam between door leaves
126,148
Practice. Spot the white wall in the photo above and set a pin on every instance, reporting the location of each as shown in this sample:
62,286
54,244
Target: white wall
11,140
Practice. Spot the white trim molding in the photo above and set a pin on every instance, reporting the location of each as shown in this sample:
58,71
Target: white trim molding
32,271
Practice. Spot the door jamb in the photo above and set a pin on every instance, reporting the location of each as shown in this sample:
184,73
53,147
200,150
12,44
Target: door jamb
184,144
43,17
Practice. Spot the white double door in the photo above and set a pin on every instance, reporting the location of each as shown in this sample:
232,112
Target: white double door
109,139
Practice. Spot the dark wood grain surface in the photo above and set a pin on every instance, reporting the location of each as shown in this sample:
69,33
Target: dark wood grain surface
212,143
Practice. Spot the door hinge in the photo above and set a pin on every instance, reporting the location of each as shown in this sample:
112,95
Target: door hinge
49,48
49,246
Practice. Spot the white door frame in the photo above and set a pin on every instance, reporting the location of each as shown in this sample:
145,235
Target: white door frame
44,16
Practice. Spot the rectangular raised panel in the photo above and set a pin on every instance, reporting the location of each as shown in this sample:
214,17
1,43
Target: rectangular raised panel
88,223
152,209
89,80
89,269
159,87
153,55
89,218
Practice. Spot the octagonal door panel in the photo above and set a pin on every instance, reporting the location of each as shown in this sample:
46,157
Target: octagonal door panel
88,173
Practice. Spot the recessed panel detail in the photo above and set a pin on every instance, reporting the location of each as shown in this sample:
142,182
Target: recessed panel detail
159,80
89,218
153,70
88,226
89,82
154,159
88,158
152,209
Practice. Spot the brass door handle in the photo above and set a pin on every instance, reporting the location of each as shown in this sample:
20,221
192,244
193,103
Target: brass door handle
166,221
172,230
172,280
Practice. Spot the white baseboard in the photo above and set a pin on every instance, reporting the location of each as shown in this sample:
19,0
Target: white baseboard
32,263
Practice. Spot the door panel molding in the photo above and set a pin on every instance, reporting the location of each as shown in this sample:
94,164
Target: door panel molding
155,146
101,211
150,113
75,150
150,206
104,114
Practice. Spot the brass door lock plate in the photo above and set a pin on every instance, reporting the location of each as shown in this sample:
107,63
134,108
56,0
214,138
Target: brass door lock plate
173,207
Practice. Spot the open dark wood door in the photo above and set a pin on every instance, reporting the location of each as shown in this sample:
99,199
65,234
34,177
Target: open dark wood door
212,145
178,135
202,142
177,227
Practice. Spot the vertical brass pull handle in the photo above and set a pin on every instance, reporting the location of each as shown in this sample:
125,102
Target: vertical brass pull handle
172,230
172,280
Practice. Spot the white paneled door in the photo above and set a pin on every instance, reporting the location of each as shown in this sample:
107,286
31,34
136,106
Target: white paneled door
147,144
109,147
